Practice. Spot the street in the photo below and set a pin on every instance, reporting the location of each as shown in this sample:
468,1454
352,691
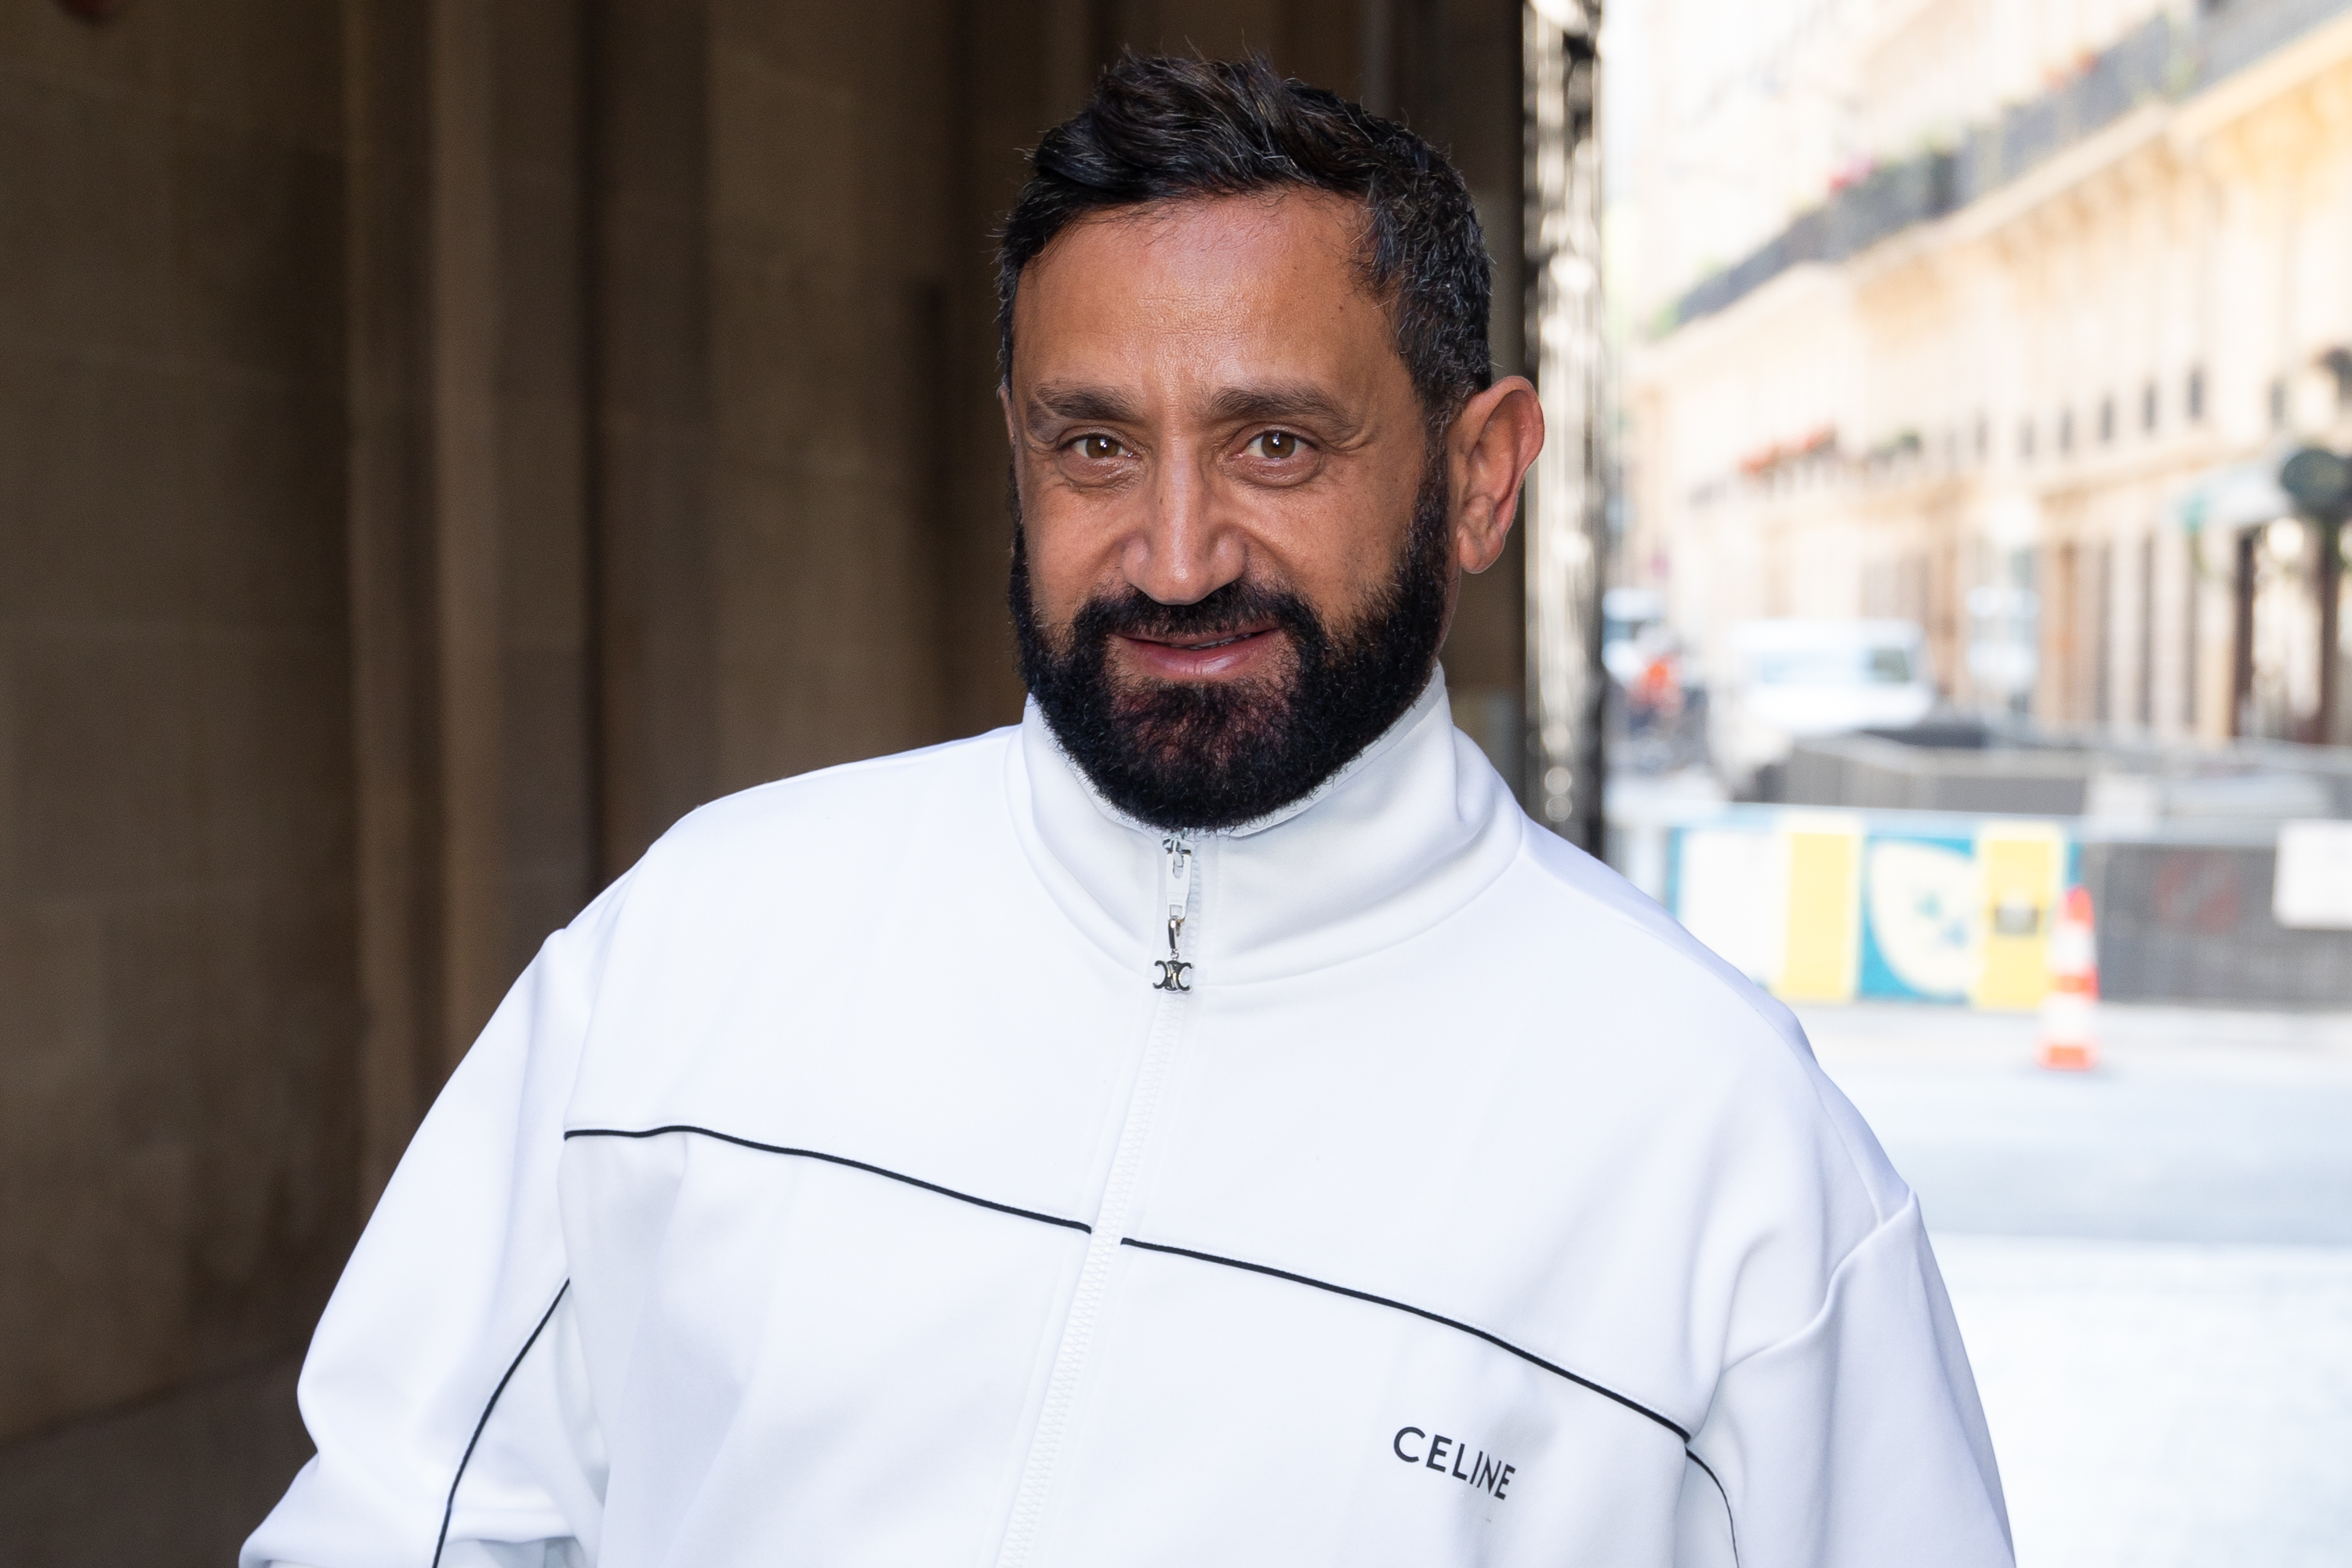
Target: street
2151,1264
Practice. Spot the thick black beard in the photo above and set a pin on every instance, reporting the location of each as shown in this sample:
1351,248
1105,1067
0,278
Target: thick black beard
1181,755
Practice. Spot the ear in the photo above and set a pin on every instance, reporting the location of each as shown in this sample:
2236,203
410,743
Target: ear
1492,444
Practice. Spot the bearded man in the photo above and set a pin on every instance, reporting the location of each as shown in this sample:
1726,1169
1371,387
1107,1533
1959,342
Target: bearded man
1207,1122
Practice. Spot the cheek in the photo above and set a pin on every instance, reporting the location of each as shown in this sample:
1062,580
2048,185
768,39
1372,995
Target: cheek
1340,547
1070,557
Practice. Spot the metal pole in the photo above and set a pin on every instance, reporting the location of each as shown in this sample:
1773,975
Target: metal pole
1567,504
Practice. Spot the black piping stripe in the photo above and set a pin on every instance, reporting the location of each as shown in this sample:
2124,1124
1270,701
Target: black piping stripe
1529,1356
1729,1523
836,1160
449,1508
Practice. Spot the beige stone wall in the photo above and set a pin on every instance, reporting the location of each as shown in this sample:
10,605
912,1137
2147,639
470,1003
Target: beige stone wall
2011,384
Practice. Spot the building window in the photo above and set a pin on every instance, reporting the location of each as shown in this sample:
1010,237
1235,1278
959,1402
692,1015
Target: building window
2278,403
2194,402
2106,420
2147,408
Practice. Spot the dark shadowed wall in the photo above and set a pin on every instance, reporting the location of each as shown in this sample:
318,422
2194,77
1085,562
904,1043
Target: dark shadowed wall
179,1009
441,442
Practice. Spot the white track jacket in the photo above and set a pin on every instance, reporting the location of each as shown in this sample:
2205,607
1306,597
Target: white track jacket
863,1182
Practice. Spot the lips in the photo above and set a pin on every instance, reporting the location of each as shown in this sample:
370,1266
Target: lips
1202,644
1212,654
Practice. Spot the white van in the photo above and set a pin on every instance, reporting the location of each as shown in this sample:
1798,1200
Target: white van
1782,679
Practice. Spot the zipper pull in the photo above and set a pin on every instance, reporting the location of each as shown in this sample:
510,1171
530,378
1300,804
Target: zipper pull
1176,883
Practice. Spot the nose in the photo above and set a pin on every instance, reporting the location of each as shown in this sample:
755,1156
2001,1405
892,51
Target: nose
1186,545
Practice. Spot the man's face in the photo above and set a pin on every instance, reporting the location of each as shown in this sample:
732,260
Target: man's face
1235,563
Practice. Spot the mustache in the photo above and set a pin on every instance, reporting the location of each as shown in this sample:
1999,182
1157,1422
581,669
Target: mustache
1241,603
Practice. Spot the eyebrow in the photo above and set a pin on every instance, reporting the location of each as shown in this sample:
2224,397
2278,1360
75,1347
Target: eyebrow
1272,402
1301,400
1084,404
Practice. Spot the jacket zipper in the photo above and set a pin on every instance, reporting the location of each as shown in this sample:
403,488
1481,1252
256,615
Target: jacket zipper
1176,892
1173,984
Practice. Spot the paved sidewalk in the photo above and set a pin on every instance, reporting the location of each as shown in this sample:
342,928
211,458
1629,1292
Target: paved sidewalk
2160,1404
2152,1267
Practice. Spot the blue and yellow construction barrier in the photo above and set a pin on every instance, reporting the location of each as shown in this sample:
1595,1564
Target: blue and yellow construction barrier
1822,906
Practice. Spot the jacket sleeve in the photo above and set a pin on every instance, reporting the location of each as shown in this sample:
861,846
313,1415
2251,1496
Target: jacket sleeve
443,1390
1857,1441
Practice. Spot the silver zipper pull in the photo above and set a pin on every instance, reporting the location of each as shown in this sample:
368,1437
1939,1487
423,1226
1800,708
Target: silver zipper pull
1176,885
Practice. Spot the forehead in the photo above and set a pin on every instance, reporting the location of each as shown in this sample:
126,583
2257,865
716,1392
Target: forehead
1227,282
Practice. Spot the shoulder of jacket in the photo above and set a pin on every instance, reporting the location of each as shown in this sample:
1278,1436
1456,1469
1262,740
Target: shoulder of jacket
877,796
1592,895
1703,1013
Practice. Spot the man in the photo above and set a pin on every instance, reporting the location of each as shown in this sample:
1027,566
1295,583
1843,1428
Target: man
1206,1123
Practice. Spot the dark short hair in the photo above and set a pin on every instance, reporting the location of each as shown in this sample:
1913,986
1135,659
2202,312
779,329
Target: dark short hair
1162,128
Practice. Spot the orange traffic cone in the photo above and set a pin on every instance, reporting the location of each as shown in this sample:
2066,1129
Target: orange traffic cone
2070,1038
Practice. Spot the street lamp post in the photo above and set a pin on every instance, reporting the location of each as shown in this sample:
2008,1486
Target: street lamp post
1566,501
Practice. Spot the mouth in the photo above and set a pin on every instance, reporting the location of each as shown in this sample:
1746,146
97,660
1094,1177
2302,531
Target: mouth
1207,644
1226,653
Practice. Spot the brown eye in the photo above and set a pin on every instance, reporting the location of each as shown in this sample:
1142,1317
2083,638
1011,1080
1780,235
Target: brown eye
1097,449
1276,445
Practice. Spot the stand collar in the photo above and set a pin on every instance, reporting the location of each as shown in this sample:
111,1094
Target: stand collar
1398,839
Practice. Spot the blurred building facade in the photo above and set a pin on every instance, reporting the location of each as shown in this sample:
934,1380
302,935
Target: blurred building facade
1996,315
441,442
